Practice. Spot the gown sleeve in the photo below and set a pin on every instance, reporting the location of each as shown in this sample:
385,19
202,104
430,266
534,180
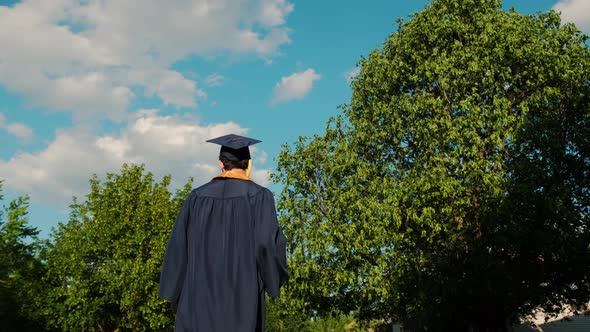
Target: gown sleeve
175,259
271,248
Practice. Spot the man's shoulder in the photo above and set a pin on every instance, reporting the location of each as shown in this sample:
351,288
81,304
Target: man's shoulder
263,189
254,189
260,192
259,188
236,186
204,188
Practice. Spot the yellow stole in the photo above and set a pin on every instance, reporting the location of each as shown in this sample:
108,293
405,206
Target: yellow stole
235,175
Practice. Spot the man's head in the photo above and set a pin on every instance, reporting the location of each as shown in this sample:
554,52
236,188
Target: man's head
234,151
227,164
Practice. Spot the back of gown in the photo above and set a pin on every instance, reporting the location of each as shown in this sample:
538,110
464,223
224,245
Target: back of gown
225,250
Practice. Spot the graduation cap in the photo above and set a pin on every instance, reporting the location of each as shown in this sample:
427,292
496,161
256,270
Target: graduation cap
234,147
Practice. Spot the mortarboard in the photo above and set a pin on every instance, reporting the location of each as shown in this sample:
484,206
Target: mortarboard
234,147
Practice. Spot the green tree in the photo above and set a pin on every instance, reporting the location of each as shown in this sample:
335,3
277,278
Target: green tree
103,265
20,267
453,192
284,314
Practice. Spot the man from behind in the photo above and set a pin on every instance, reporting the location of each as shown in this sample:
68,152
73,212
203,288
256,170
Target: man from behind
226,249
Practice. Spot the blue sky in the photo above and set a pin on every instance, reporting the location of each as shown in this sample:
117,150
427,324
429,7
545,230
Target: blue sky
88,85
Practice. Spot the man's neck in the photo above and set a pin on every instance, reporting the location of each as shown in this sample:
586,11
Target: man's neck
236,171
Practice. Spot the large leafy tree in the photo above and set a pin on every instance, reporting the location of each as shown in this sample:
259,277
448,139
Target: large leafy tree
20,267
453,192
103,265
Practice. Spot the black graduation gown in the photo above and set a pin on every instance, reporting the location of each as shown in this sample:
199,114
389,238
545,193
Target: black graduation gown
225,250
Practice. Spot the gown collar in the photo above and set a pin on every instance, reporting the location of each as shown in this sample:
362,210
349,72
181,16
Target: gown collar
233,175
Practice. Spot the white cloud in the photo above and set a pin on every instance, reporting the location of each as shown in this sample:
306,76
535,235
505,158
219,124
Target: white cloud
576,11
214,80
17,129
295,86
166,144
172,87
87,56
273,12
262,157
261,176
351,74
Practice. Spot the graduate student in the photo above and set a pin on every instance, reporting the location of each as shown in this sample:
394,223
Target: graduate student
226,249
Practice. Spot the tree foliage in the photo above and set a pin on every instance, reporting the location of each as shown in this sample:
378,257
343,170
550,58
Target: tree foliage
453,192
103,265
284,315
20,267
